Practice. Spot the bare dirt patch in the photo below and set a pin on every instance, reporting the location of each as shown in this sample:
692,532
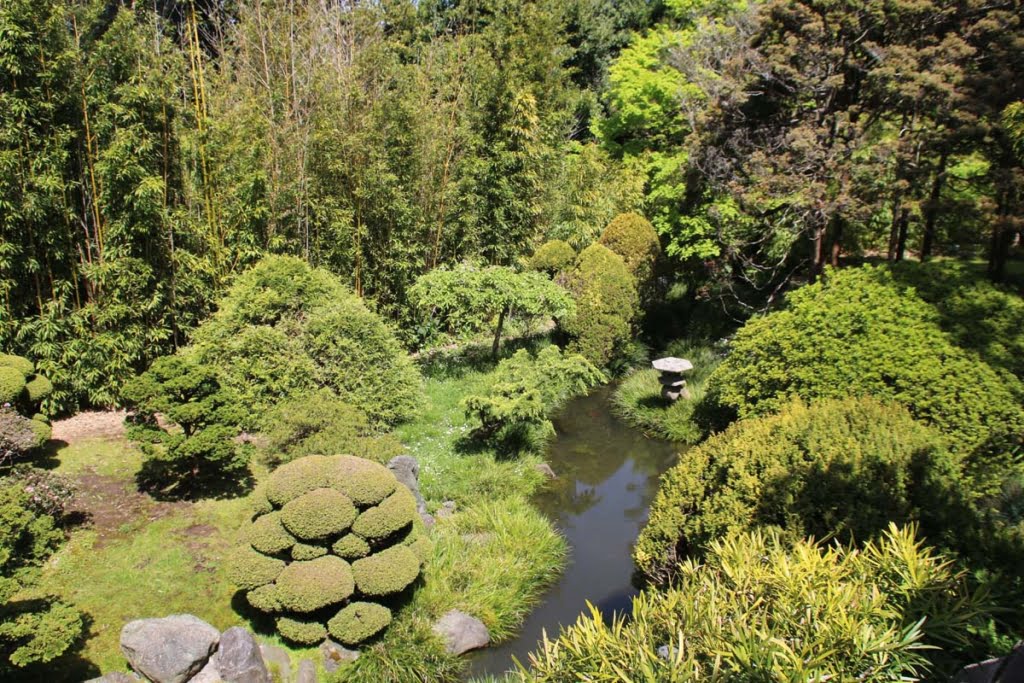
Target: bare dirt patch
112,506
105,424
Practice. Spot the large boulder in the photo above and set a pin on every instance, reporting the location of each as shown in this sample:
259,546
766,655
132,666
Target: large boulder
239,659
116,677
169,650
461,632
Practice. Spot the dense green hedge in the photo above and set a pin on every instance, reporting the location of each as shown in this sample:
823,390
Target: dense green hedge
285,329
860,332
844,467
552,257
606,305
322,513
632,237
756,608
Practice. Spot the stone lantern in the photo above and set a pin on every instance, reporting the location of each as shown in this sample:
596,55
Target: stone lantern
673,385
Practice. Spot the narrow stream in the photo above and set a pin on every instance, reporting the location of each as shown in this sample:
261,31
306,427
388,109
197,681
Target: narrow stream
607,476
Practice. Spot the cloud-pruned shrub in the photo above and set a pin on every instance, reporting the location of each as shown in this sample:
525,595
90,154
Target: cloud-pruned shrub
284,330
23,425
552,257
842,467
632,237
606,305
338,536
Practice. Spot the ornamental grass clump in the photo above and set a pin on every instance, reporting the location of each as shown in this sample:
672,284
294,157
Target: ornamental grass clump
337,537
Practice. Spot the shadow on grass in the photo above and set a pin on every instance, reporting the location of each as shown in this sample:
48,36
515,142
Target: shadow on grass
455,363
152,477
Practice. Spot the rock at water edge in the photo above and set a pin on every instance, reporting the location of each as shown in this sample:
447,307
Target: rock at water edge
462,632
168,650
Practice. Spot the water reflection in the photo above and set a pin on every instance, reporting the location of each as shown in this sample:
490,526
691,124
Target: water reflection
607,476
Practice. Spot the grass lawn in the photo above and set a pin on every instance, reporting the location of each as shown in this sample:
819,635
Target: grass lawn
138,557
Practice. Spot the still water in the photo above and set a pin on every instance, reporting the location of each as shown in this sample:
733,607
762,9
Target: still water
607,476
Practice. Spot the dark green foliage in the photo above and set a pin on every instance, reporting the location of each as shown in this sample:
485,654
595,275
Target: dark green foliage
387,571
757,608
553,257
859,332
843,468
632,237
200,452
285,330
606,305
33,630
318,514
358,622
308,586
526,390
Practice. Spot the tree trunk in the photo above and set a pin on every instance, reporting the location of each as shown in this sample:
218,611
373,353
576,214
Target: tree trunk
931,208
837,242
901,239
817,253
496,346
894,227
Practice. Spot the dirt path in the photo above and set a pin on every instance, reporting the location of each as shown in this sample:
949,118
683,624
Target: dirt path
107,424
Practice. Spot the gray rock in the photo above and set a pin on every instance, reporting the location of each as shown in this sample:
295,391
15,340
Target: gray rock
461,632
664,652
307,672
335,655
446,510
407,470
673,365
208,674
1008,669
239,659
546,470
116,677
277,660
168,650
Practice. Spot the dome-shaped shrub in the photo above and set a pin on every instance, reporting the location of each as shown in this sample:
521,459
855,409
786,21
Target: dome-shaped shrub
606,304
12,384
632,237
19,363
332,536
552,257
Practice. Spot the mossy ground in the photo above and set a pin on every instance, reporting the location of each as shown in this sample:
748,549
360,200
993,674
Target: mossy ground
138,557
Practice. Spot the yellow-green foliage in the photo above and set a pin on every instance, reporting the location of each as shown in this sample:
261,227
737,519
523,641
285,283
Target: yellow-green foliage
351,547
304,551
552,257
388,571
318,514
307,528
632,237
606,305
358,622
19,363
12,384
295,478
250,569
845,467
758,609
269,536
38,388
365,482
395,512
310,585
301,631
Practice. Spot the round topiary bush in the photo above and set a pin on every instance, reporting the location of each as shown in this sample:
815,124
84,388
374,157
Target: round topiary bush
12,384
632,237
20,363
333,536
606,305
552,257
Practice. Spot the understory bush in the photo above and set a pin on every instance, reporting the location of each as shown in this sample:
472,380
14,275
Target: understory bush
322,423
525,391
638,399
606,305
632,237
195,449
23,425
552,257
284,329
860,332
33,629
336,537
843,468
758,608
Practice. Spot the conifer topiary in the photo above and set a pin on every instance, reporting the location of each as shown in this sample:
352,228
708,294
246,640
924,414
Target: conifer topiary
340,535
606,305
632,237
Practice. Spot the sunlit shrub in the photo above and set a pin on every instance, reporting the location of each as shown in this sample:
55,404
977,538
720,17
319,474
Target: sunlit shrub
552,257
757,608
842,468
606,305
341,536
632,237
